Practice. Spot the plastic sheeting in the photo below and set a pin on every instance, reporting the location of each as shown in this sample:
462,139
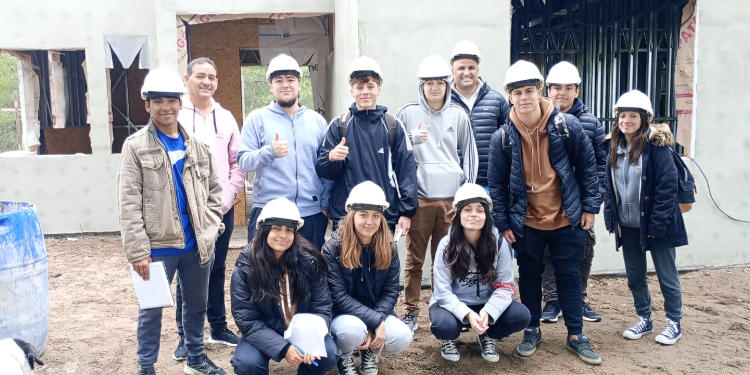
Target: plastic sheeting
126,48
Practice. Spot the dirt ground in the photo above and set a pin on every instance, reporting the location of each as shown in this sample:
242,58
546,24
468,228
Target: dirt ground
93,318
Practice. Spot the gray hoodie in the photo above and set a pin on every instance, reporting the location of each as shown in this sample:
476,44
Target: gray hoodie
439,167
457,295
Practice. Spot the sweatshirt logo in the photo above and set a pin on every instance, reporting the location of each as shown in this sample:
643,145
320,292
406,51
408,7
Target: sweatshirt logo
380,151
450,130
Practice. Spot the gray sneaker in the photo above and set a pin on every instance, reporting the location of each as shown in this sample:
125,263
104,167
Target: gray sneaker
583,348
180,353
346,366
532,336
369,362
449,351
487,344
410,319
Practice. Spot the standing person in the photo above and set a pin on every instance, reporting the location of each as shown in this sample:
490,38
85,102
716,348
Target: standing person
213,125
474,285
487,109
439,130
278,275
545,193
563,87
363,273
280,144
641,209
169,199
368,144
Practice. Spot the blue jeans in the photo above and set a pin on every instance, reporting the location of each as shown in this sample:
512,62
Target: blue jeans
566,246
313,230
216,312
445,326
248,360
194,278
666,271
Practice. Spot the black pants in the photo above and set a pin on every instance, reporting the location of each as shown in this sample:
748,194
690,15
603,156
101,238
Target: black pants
445,326
566,252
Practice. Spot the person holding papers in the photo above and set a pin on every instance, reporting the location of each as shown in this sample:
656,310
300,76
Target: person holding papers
169,200
363,277
280,275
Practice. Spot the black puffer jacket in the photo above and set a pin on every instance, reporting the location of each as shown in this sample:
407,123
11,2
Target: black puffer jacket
262,323
573,161
489,113
341,282
595,131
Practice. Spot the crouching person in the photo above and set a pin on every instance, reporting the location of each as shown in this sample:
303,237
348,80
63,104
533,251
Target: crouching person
363,277
473,279
278,275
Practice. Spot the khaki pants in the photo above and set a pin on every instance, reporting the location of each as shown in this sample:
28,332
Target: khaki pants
431,220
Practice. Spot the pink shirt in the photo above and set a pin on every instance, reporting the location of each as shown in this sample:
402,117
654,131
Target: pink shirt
219,131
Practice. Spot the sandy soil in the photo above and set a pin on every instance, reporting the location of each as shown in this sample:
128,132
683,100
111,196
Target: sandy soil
93,318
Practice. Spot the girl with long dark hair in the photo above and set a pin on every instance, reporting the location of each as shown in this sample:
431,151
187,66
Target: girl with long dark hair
642,210
279,275
473,279
363,276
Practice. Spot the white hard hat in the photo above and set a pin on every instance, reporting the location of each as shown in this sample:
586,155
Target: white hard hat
365,66
470,193
162,82
466,49
366,195
563,73
283,64
522,73
280,211
634,99
433,66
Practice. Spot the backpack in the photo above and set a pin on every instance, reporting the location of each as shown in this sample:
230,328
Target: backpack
390,123
686,188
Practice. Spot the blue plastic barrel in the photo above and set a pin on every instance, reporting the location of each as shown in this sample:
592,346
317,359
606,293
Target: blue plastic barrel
24,291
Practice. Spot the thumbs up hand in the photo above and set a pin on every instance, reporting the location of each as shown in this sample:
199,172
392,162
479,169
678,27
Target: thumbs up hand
419,134
340,152
280,148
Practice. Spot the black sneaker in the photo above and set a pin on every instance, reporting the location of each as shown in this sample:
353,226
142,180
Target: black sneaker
346,366
532,336
410,320
223,336
148,370
487,344
583,348
369,362
551,312
201,365
181,353
589,314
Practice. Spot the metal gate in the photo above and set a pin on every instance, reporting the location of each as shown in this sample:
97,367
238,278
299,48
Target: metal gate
617,45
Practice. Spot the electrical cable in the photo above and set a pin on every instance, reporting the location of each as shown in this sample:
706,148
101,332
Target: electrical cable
710,194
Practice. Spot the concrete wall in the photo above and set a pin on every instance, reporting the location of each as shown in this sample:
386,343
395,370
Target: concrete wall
399,34
76,193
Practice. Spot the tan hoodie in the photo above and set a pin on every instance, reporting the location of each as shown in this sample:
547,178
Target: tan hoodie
544,196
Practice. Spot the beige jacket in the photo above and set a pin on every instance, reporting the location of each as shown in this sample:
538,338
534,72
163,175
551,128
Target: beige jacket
148,203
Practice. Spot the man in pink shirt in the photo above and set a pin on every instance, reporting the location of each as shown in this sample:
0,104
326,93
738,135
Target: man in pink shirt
215,126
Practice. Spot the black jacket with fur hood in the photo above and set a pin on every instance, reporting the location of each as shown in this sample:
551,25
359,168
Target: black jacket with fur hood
661,224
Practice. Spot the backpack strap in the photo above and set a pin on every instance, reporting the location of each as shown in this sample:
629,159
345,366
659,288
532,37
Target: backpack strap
391,123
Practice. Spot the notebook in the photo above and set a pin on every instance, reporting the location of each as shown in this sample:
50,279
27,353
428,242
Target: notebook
155,292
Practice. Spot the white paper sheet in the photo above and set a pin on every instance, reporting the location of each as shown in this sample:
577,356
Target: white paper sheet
307,332
155,292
